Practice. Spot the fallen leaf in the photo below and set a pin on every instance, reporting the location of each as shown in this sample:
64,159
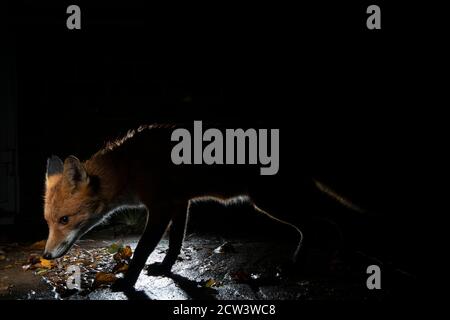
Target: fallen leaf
35,266
114,248
123,253
40,245
104,278
41,271
121,267
127,252
210,283
47,264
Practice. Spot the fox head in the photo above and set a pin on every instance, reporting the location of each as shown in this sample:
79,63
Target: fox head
73,204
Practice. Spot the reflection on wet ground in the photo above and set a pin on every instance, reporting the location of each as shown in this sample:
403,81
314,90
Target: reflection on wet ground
209,267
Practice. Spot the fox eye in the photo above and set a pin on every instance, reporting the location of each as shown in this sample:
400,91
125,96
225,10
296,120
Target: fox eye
64,220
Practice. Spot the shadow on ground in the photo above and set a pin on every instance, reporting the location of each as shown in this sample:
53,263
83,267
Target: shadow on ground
208,268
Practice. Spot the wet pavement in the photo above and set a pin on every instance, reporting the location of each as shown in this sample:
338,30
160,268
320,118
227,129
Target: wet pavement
209,267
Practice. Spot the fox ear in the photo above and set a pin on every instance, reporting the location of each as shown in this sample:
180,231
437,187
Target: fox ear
54,166
74,171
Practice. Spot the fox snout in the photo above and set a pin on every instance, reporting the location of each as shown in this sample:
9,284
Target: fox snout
55,248
47,255
56,252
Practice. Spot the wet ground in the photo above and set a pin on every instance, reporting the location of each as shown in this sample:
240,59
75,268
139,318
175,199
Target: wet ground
209,267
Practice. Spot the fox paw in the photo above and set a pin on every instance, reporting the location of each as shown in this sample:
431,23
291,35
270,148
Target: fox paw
157,269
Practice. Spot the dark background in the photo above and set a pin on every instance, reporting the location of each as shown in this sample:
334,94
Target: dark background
342,95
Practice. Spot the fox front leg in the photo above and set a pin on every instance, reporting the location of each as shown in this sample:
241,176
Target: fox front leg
159,218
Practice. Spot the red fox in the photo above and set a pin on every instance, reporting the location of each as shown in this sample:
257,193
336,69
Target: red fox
135,171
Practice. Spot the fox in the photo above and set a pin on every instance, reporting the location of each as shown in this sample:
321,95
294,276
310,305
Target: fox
136,171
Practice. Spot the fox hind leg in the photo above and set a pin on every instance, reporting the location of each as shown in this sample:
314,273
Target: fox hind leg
176,236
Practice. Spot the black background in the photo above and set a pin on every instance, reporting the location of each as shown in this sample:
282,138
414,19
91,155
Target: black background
342,95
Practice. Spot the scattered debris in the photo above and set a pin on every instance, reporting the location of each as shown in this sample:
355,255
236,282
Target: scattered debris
104,278
41,271
114,248
5,287
123,253
36,262
256,279
211,283
227,247
98,267
8,266
34,259
47,264
246,274
26,267
121,267
255,276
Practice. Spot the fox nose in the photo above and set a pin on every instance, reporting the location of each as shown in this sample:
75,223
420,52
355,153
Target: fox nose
47,255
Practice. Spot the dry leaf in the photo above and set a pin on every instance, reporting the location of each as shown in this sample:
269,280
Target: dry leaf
210,283
120,267
41,271
124,253
114,248
104,278
47,264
